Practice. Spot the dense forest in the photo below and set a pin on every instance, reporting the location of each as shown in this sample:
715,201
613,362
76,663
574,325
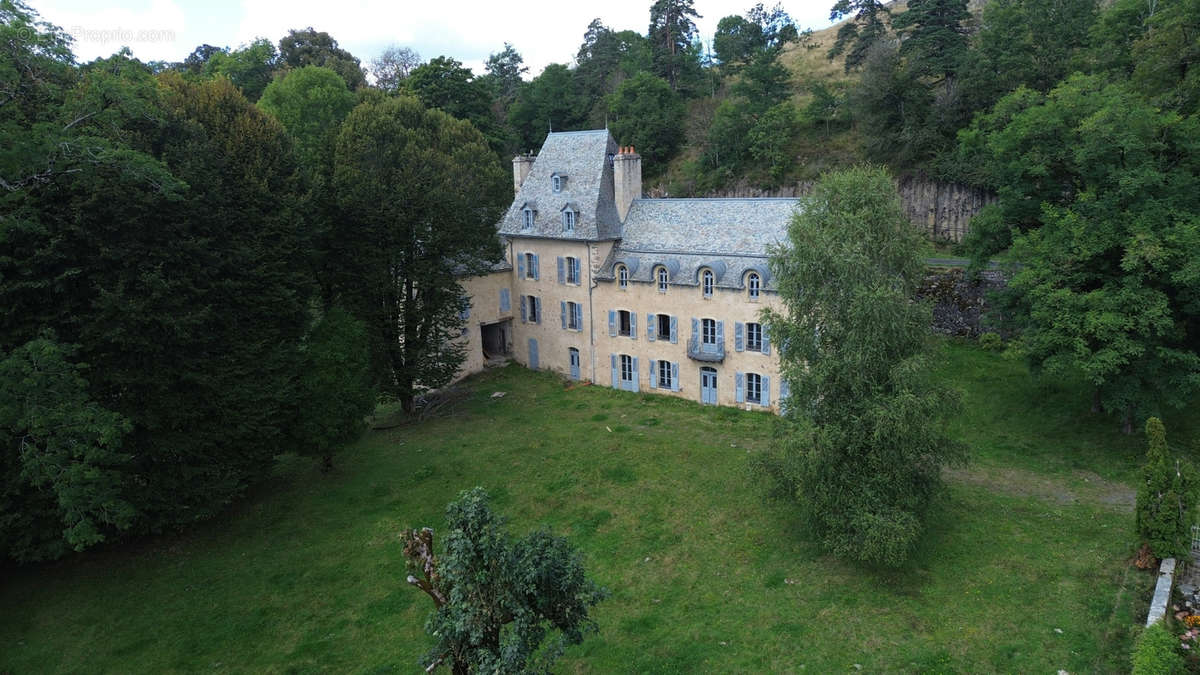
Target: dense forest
207,263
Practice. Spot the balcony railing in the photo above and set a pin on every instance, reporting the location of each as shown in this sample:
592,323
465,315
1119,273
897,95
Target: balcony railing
709,353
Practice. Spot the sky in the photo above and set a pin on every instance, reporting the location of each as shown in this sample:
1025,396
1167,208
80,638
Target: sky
542,31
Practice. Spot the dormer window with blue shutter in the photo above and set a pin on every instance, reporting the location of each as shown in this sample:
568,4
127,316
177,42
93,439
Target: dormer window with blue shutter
568,219
558,181
527,224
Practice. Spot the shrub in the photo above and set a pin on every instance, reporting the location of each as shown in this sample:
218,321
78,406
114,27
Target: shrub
1167,496
1156,652
991,342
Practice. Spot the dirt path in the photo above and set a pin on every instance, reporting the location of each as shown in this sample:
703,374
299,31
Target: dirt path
1082,487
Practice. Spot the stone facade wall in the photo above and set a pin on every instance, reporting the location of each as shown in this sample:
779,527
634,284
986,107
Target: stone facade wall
942,210
484,292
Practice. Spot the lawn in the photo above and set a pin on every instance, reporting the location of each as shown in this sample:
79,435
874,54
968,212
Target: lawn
1024,567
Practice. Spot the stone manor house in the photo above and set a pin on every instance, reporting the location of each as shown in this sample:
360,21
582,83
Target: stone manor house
602,285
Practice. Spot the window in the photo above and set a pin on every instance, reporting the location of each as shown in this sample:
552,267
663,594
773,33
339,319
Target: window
706,283
754,341
530,266
661,275
556,182
626,368
573,270
574,316
623,276
624,323
753,388
664,375
753,285
528,224
708,334
568,218
664,326
535,308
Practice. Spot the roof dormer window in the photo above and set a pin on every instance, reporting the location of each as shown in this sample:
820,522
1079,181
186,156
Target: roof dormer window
569,216
557,182
527,223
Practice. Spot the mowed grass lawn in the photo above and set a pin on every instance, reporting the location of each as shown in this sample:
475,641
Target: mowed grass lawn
1025,566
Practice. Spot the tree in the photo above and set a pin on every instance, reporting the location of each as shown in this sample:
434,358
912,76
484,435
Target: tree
1107,286
250,68
65,483
497,599
671,34
645,113
549,101
1166,57
335,392
309,47
1166,497
194,63
505,70
393,66
605,60
739,40
445,84
311,103
933,36
867,27
420,194
855,347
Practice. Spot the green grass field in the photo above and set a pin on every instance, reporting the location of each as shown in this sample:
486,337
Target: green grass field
1024,567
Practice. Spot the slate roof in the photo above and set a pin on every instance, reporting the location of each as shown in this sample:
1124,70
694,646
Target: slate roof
583,157
728,236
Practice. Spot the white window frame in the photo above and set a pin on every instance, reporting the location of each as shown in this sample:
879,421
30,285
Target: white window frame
754,335
708,334
622,276
568,220
754,388
664,375
532,310
529,273
572,311
753,285
528,224
707,281
626,368
572,270
660,274
556,183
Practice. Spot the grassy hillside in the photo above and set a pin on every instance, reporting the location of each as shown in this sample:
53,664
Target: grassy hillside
1024,567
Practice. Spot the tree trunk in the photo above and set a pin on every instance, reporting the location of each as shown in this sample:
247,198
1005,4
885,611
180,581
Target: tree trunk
407,401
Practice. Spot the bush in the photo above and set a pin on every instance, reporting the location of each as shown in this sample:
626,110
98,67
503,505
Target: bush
991,342
1166,498
1156,652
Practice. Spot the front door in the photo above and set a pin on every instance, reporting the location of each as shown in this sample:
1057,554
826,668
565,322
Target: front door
574,354
708,386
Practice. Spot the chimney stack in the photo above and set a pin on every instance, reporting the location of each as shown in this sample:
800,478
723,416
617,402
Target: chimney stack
522,165
627,179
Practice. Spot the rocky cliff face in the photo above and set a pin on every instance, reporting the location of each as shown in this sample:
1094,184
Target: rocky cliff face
942,210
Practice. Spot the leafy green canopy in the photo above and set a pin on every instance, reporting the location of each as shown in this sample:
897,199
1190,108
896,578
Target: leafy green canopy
646,114
419,194
311,103
498,599
856,350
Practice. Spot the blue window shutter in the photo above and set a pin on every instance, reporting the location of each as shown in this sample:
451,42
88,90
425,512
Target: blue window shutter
537,301
533,353
635,373
578,276
523,309
536,266
505,302
739,388
653,376
633,325
650,327
720,335
766,340
616,382
579,316
612,323
521,265
766,390
739,336
695,329
562,273
675,331
562,311
674,376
